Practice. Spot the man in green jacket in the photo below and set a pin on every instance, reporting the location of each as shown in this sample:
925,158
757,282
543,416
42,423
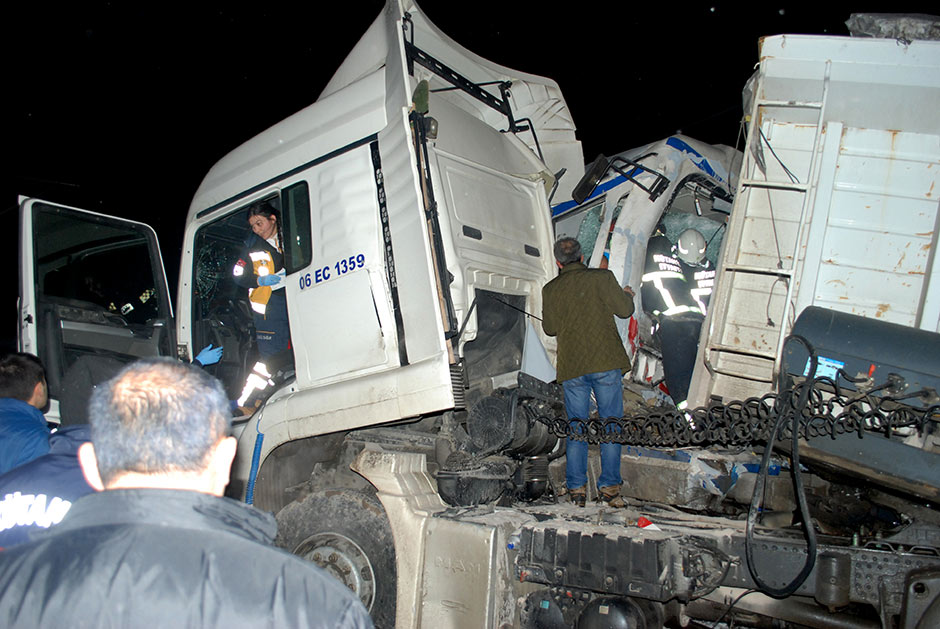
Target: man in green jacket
579,307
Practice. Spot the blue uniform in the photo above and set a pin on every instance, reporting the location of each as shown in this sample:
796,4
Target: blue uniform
38,494
24,434
268,303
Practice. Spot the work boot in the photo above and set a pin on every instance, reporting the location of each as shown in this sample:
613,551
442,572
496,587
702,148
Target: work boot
578,496
611,495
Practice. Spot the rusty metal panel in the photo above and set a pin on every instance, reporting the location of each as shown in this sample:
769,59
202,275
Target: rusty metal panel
880,235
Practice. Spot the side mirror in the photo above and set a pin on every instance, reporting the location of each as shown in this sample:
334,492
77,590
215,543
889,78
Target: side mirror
592,177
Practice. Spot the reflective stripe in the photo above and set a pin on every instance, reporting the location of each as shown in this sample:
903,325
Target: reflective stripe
684,404
263,265
665,275
674,310
258,380
656,278
698,294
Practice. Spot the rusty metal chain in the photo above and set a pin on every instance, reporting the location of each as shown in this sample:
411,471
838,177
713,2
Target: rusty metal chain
743,423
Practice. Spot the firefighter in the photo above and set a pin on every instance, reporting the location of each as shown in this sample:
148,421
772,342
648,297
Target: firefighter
677,282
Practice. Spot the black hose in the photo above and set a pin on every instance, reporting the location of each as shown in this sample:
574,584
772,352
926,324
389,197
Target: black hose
794,412
731,606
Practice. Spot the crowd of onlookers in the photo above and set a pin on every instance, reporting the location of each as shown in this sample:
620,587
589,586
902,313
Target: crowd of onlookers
123,523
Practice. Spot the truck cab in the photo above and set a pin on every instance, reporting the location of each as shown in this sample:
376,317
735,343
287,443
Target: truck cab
415,224
93,296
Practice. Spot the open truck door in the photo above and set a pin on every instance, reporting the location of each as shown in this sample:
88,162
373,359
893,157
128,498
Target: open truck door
93,297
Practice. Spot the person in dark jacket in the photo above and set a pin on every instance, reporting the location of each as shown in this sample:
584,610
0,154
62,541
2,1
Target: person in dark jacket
260,269
158,545
24,433
579,307
677,283
37,495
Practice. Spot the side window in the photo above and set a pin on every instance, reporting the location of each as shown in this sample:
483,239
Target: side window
298,248
582,223
694,205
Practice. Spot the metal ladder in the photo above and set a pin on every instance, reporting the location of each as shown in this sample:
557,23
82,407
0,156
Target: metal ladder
733,274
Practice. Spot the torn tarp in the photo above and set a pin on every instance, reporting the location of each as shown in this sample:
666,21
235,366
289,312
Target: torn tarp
902,26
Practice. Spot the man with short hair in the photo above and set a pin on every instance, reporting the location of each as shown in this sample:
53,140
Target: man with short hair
579,307
159,546
24,433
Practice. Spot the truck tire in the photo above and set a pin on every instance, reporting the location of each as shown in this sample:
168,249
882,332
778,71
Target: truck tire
346,533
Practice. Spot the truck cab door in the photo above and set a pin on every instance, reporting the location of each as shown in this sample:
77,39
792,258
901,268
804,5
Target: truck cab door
93,297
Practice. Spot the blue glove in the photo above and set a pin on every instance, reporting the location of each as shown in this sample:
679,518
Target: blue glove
209,356
269,280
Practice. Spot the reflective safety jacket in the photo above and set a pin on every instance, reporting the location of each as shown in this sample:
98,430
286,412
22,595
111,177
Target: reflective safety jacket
701,279
670,286
258,258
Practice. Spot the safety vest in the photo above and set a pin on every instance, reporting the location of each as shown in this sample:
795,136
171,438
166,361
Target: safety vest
666,290
262,263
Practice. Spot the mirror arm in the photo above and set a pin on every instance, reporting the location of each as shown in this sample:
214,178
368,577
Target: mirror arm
596,171
659,186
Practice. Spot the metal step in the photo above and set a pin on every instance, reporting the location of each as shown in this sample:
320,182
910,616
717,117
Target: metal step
776,185
760,270
804,104
742,375
742,352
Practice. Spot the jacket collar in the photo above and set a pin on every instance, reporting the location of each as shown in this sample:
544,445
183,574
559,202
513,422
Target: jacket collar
572,266
175,508
12,405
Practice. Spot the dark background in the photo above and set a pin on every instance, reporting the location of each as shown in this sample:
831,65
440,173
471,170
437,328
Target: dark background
122,108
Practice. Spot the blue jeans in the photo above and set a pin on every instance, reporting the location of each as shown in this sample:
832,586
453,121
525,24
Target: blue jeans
608,390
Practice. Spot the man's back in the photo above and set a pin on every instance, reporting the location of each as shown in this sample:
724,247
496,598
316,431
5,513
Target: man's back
167,558
579,307
24,434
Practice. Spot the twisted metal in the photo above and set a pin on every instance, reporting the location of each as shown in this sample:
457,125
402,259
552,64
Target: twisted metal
830,411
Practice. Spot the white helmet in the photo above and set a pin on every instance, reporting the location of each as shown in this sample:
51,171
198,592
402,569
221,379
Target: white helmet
691,246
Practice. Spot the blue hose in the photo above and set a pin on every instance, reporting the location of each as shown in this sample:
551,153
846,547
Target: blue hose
253,472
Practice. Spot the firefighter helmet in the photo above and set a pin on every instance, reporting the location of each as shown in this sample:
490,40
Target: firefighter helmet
691,246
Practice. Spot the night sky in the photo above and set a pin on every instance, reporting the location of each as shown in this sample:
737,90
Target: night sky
122,107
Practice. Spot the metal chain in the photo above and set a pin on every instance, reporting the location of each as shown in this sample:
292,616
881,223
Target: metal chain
751,421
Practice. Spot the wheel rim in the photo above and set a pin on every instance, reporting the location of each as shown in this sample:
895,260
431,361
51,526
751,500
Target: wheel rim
345,560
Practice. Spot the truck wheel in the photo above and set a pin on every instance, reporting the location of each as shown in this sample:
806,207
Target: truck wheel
347,534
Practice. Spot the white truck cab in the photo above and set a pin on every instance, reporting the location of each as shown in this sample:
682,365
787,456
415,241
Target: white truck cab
414,201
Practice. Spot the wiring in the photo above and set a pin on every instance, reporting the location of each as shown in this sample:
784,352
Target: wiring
793,178
731,606
770,205
794,413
